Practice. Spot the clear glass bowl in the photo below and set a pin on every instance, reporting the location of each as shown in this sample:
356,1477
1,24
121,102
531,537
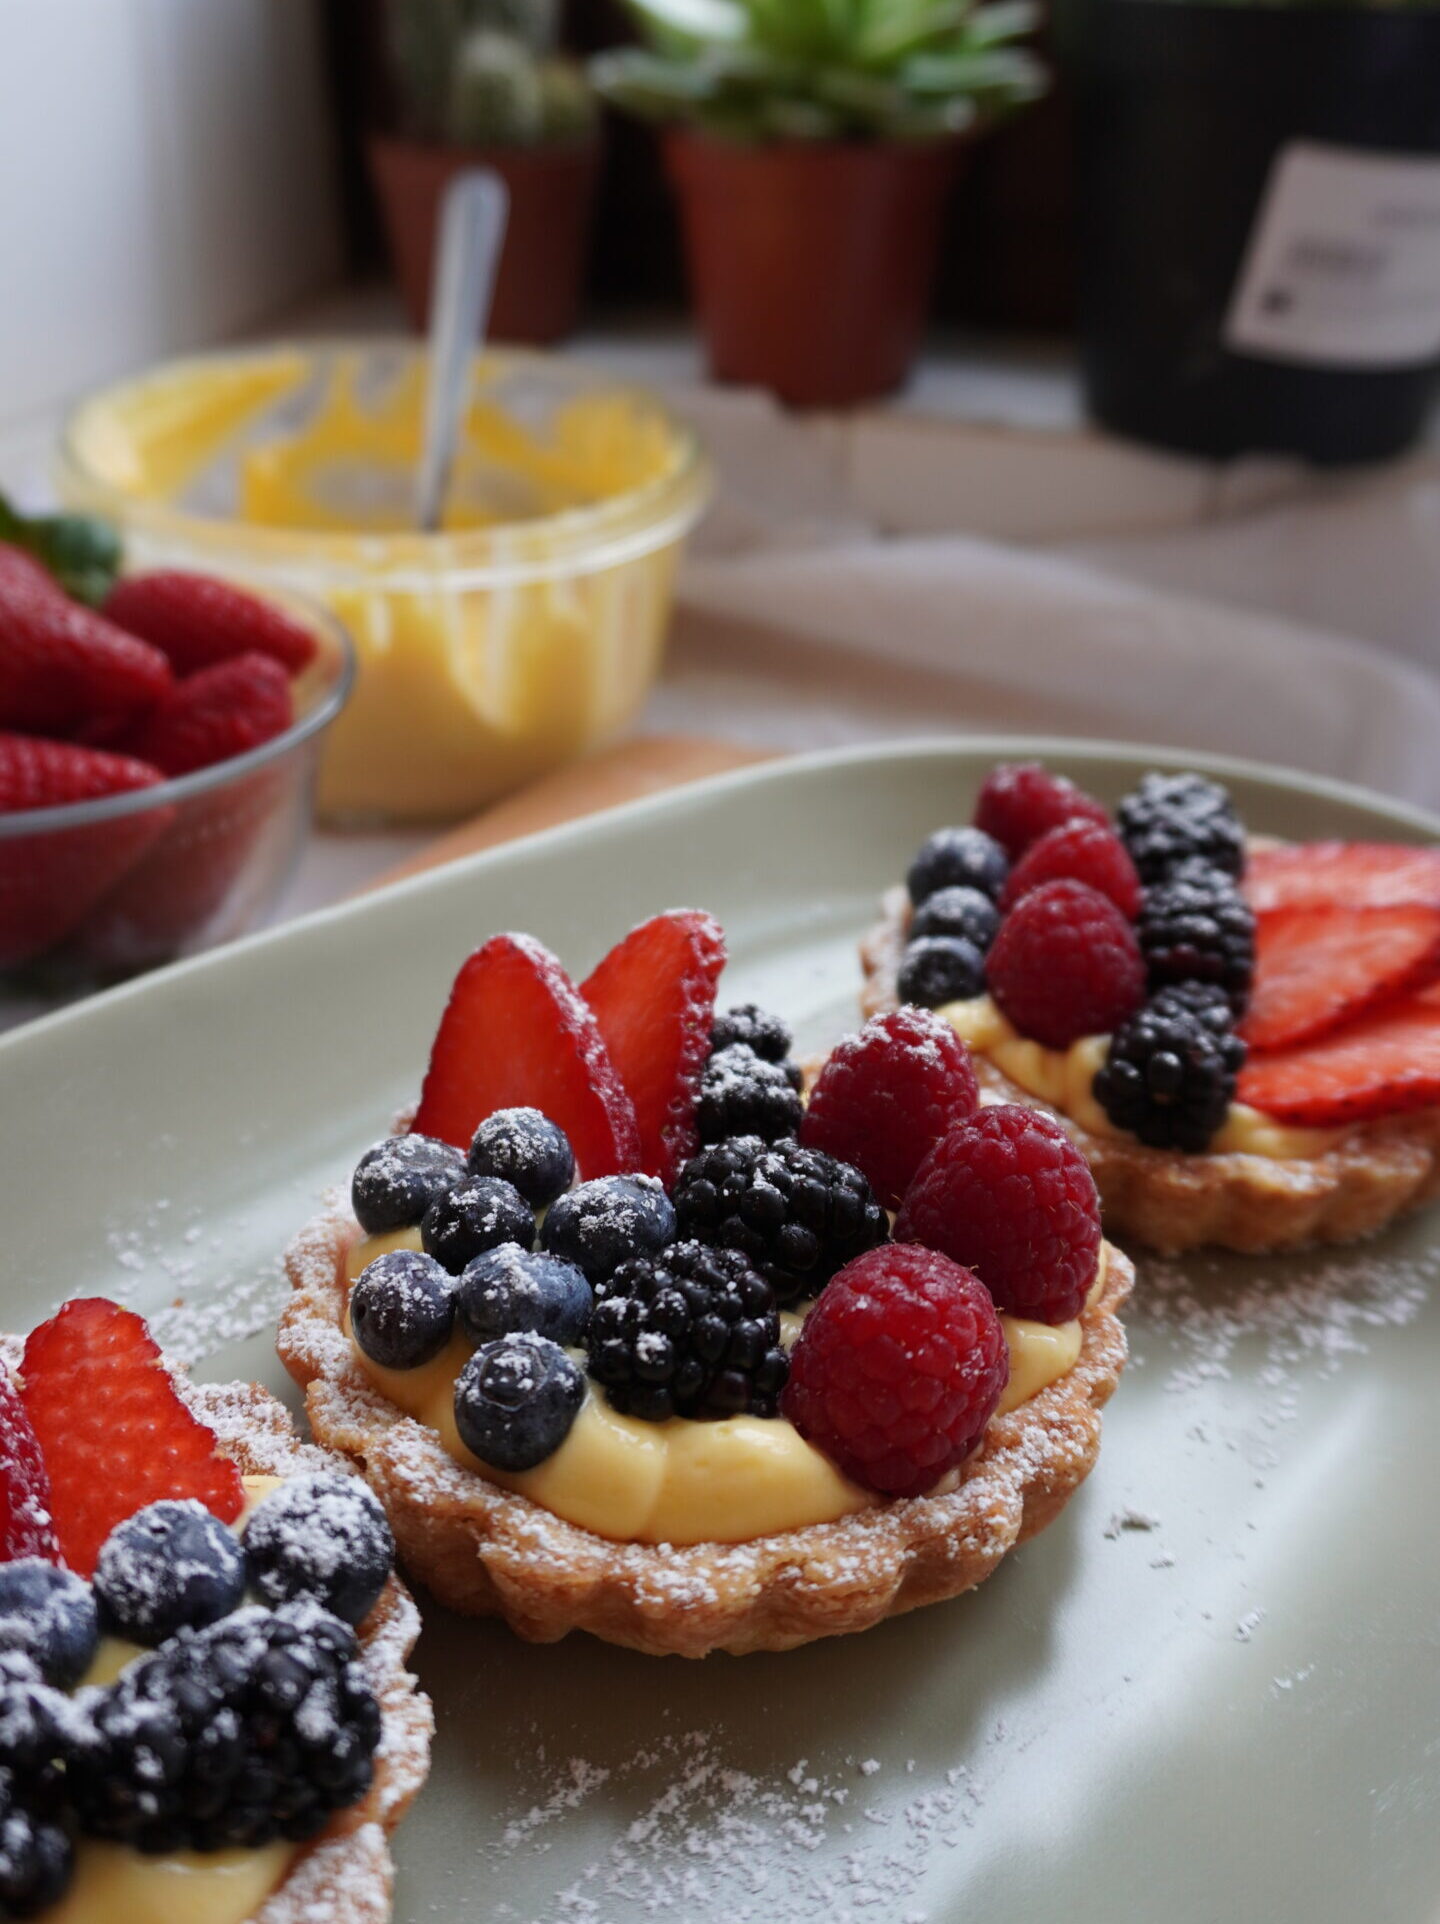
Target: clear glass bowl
97,891
530,627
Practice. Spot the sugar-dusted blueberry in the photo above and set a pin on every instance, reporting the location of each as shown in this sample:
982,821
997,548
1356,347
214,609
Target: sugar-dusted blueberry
396,1181
939,969
478,1214
516,1399
49,1614
525,1149
324,1537
957,858
170,1566
509,1289
957,910
598,1224
402,1309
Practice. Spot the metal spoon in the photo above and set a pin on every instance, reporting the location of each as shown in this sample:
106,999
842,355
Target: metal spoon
472,230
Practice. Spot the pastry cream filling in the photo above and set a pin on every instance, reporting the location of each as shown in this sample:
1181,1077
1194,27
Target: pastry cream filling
682,1481
1065,1079
114,1884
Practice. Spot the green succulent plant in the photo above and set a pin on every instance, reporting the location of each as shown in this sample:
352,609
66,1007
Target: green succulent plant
823,69
476,73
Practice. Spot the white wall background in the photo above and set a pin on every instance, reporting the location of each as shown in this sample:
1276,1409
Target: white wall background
166,179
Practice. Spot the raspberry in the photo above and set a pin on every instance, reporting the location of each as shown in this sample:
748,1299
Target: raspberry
1009,1194
1081,851
887,1095
898,1369
1019,801
1066,964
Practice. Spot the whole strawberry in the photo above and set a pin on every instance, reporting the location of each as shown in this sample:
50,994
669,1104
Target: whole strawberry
64,670
216,714
196,621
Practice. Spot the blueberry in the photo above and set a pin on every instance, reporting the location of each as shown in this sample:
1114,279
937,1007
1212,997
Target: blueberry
957,857
396,1181
478,1214
509,1289
402,1309
322,1536
171,1565
516,1399
598,1224
48,1614
939,969
957,911
525,1149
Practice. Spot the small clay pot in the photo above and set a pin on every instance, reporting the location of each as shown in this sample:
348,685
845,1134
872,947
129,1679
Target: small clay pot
552,193
811,263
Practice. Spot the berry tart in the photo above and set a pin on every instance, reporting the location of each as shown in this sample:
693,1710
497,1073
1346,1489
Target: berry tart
1241,1036
205,1710
620,1333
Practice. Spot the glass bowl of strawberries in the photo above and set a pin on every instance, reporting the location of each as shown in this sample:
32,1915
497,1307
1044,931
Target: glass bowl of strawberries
159,739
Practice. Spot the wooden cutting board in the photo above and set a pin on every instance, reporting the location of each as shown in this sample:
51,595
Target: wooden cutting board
646,765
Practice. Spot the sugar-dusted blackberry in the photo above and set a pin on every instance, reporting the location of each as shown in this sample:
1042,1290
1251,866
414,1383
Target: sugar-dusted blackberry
768,1035
402,1309
1195,926
939,969
526,1149
957,911
320,1538
170,1564
743,1095
1169,1074
694,1331
957,858
48,1613
599,1223
396,1181
40,1729
516,1399
1167,819
797,1214
37,1859
251,1730
477,1214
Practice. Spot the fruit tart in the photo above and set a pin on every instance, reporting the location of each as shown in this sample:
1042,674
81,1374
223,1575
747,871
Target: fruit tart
1241,1036
619,1333
205,1710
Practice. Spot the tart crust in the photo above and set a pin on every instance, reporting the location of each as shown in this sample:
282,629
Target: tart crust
346,1875
1175,1201
491,1552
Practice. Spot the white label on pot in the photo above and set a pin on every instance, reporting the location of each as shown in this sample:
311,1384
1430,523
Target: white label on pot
1343,262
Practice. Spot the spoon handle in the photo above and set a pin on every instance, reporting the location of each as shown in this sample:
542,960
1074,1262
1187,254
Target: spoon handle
472,229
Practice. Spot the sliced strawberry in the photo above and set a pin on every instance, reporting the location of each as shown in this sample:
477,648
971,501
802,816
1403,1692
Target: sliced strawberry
654,999
215,715
1353,875
114,1432
516,1034
26,1528
1382,1065
196,621
1318,968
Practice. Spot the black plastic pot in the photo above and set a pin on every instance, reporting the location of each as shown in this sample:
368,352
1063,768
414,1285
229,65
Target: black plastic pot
1182,110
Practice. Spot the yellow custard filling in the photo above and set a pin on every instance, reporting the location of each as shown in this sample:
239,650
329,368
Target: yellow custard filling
681,1481
1065,1077
116,1885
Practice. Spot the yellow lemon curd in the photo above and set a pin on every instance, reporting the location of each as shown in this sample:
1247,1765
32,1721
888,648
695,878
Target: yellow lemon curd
681,1481
528,627
1065,1079
116,1885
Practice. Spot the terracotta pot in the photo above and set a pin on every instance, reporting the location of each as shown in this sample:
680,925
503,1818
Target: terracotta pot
811,263
552,191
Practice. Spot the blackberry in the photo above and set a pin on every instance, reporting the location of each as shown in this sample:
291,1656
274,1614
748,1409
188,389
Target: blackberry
402,1309
1169,1074
743,1095
321,1538
510,1289
766,1034
1196,927
524,1148
957,911
599,1223
797,1214
41,1732
939,969
478,1214
253,1729
1167,819
690,1332
516,1399
48,1614
396,1181
957,858
168,1565
37,1859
